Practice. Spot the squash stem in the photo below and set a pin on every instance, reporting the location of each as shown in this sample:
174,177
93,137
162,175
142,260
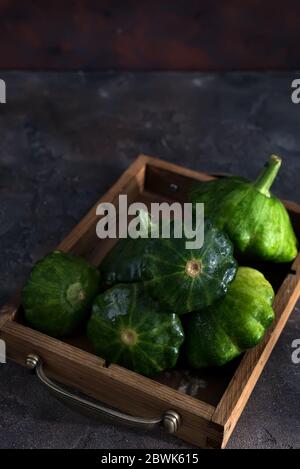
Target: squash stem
268,175
193,268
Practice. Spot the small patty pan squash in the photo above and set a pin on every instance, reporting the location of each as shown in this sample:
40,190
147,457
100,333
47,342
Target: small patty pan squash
128,328
257,222
183,280
232,325
59,293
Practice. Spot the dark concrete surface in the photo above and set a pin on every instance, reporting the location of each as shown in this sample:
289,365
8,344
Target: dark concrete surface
65,137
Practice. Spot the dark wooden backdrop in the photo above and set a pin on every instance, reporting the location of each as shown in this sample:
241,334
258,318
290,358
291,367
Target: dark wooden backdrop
103,34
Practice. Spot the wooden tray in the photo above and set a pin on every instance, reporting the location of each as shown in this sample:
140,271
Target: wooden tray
209,402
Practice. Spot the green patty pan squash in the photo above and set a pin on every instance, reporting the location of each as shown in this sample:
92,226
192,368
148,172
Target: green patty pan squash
127,327
257,222
183,280
59,293
232,325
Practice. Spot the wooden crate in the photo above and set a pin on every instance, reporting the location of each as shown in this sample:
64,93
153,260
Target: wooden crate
209,402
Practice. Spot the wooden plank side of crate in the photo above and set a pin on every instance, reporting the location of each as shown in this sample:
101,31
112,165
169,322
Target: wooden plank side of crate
174,168
130,182
114,386
239,390
294,211
9,310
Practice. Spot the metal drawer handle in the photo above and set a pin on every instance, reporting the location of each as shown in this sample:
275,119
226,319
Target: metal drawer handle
170,419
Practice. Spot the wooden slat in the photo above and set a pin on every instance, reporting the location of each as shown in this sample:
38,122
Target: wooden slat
237,394
9,310
114,386
175,169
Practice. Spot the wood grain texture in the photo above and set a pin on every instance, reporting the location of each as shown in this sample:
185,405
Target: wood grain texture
203,424
238,392
84,233
164,35
9,310
114,386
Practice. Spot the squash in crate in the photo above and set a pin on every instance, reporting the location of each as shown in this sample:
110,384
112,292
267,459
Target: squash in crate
59,293
232,325
256,221
182,279
129,328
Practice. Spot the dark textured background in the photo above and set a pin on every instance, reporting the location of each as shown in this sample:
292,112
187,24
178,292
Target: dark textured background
157,34
65,138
